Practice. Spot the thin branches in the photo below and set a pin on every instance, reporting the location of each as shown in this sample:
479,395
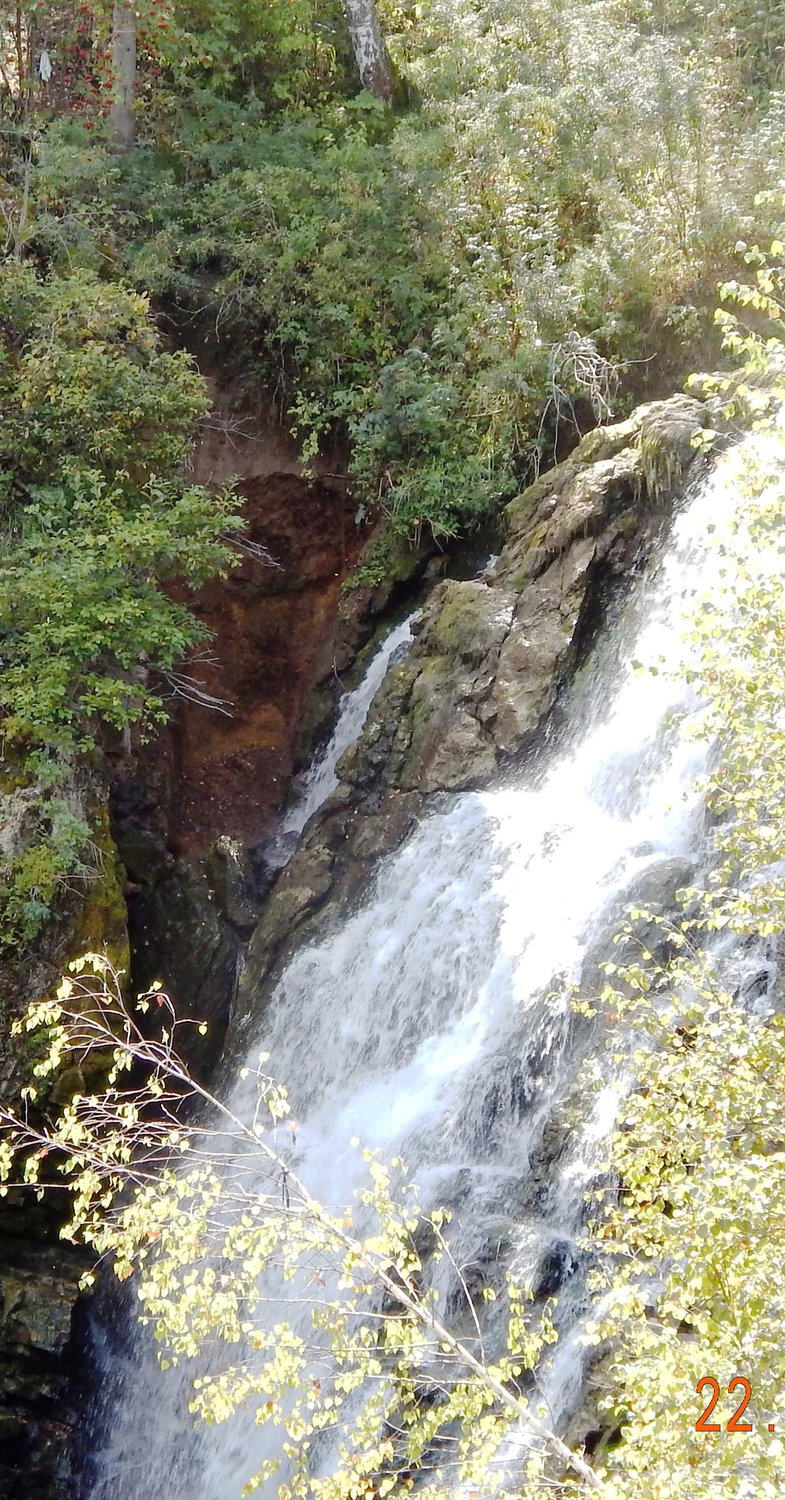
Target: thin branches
174,1185
575,365
183,685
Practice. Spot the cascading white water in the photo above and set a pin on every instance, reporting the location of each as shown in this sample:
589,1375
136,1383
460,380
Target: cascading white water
322,778
436,1023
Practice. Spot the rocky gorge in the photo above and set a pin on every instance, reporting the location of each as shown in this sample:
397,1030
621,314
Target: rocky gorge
182,874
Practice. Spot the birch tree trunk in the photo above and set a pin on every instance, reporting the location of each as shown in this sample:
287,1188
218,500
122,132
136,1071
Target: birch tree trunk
124,70
370,52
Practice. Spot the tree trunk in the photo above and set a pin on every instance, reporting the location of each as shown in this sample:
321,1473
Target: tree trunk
124,69
370,52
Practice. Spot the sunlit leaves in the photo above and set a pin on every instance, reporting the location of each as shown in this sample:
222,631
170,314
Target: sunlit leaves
691,1279
319,1322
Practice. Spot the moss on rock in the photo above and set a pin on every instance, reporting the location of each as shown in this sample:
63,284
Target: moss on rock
101,924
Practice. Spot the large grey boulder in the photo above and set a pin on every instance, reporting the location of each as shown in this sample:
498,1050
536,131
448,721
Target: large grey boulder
489,657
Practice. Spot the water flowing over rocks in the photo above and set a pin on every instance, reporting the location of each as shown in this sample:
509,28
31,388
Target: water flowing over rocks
433,1019
489,658
193,810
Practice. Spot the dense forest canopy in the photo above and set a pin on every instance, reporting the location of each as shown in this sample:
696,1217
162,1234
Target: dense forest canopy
534,231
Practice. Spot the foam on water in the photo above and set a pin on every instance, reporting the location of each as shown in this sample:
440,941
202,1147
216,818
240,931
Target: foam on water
435,1022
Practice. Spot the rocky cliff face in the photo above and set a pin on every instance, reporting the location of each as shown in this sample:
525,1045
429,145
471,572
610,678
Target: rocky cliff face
489,660
215,775
39,1275
188,808
39,1385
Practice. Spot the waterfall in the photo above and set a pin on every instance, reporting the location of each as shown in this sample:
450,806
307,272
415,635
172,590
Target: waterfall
322,777
435,1021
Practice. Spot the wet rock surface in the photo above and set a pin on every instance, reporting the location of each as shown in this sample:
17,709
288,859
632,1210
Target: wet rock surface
39,1275
181,938
39,1373
488,661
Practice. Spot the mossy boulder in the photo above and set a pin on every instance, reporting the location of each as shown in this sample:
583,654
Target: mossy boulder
101,921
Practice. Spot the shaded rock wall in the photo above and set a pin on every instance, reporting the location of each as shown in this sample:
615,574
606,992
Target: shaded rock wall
274,634
283,636
39,1394
39,1274
278,631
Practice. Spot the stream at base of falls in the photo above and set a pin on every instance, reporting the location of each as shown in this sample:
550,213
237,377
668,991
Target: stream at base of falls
434,1021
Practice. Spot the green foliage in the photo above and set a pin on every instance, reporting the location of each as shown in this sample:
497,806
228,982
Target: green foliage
82,376
561,176
697,1288
692,1282
288,54
82,613
442,470
95,517
52,861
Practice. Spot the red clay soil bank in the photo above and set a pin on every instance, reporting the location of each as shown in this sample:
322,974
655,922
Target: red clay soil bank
273,639
274,633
